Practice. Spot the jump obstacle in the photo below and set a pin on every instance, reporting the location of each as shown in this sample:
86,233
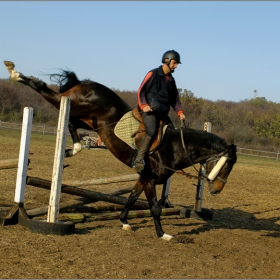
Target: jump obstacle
8,163
64,223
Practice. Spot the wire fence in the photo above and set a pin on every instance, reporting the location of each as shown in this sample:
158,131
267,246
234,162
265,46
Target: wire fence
53,129
258,153
42,128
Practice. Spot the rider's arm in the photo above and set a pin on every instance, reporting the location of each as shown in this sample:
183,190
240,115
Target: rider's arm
177,104
143,89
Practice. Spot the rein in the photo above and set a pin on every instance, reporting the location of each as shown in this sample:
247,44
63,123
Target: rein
182,172
184,147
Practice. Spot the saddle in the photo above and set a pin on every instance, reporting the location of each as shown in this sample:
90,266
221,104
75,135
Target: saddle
141,131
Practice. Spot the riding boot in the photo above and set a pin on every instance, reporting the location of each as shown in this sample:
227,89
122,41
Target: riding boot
139,162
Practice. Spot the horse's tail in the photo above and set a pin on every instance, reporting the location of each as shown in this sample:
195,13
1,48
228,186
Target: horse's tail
65,80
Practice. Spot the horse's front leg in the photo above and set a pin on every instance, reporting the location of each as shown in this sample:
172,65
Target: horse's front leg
137,190
155,208
77,146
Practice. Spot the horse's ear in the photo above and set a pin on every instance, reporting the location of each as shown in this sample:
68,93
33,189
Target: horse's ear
232,148
232,151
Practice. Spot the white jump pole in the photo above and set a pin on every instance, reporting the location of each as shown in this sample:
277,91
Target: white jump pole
53,209
199,194
17,213
23,154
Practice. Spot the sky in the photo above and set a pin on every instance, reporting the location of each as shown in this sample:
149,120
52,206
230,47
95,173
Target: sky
230,50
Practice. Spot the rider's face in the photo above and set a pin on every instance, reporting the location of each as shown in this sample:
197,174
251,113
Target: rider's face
173,65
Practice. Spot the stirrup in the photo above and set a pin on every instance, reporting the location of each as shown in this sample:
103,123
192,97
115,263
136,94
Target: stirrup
139,164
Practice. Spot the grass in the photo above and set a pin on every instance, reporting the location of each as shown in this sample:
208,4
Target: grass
13,137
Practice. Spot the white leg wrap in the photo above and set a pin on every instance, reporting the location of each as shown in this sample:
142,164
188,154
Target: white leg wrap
167,237
126,227
76,148
15,75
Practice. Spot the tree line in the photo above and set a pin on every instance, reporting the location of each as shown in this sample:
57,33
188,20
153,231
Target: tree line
253,123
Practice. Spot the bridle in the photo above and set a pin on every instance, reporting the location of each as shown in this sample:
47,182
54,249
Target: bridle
201,176
221,159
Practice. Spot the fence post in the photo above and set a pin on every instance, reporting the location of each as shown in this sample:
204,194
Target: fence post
202,171
23,154
53,211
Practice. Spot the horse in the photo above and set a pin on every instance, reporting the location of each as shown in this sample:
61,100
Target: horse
96,107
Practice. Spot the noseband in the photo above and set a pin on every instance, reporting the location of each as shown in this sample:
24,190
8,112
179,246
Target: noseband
221,158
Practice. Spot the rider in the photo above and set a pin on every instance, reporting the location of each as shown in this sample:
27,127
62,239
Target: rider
156,94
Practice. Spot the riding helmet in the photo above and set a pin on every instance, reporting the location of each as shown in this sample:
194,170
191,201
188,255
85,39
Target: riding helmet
171,55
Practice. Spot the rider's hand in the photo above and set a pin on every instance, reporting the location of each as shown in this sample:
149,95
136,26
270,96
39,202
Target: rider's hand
182,116
147,109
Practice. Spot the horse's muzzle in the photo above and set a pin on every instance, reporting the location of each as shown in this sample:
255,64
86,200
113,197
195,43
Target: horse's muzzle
215,188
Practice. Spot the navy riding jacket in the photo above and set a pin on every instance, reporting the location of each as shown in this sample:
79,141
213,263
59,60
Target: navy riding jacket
160,92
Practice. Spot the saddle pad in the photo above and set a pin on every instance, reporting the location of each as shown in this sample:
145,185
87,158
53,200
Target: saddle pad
125,127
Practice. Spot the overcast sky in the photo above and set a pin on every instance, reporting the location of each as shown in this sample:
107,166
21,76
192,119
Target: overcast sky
228,49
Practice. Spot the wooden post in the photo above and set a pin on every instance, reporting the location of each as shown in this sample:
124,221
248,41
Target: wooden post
202,171
23,154
45,184
8,163
72,203
61,136
118,179
80,218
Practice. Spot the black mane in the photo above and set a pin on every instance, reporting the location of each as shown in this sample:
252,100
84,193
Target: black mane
66,80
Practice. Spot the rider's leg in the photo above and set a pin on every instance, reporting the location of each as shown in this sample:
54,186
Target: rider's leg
151,124
139,162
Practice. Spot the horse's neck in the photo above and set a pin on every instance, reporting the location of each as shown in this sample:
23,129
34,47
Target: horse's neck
201,145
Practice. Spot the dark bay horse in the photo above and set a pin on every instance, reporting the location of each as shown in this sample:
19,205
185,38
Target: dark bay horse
94,106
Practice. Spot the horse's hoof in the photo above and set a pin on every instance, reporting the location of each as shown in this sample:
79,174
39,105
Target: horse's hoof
69,153
126,227
13,73
73,151
9,64
167,237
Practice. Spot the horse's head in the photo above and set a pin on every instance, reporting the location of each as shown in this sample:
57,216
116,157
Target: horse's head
217,171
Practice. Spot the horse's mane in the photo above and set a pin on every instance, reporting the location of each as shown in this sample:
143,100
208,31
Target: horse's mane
218,143
66,80
214,142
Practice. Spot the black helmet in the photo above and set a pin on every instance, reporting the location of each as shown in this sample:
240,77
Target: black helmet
170,55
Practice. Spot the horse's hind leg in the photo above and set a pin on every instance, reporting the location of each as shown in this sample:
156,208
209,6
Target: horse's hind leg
36,84
137,190
77,146
73,125
13,73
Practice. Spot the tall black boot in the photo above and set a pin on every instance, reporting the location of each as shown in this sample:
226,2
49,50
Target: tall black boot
139,162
